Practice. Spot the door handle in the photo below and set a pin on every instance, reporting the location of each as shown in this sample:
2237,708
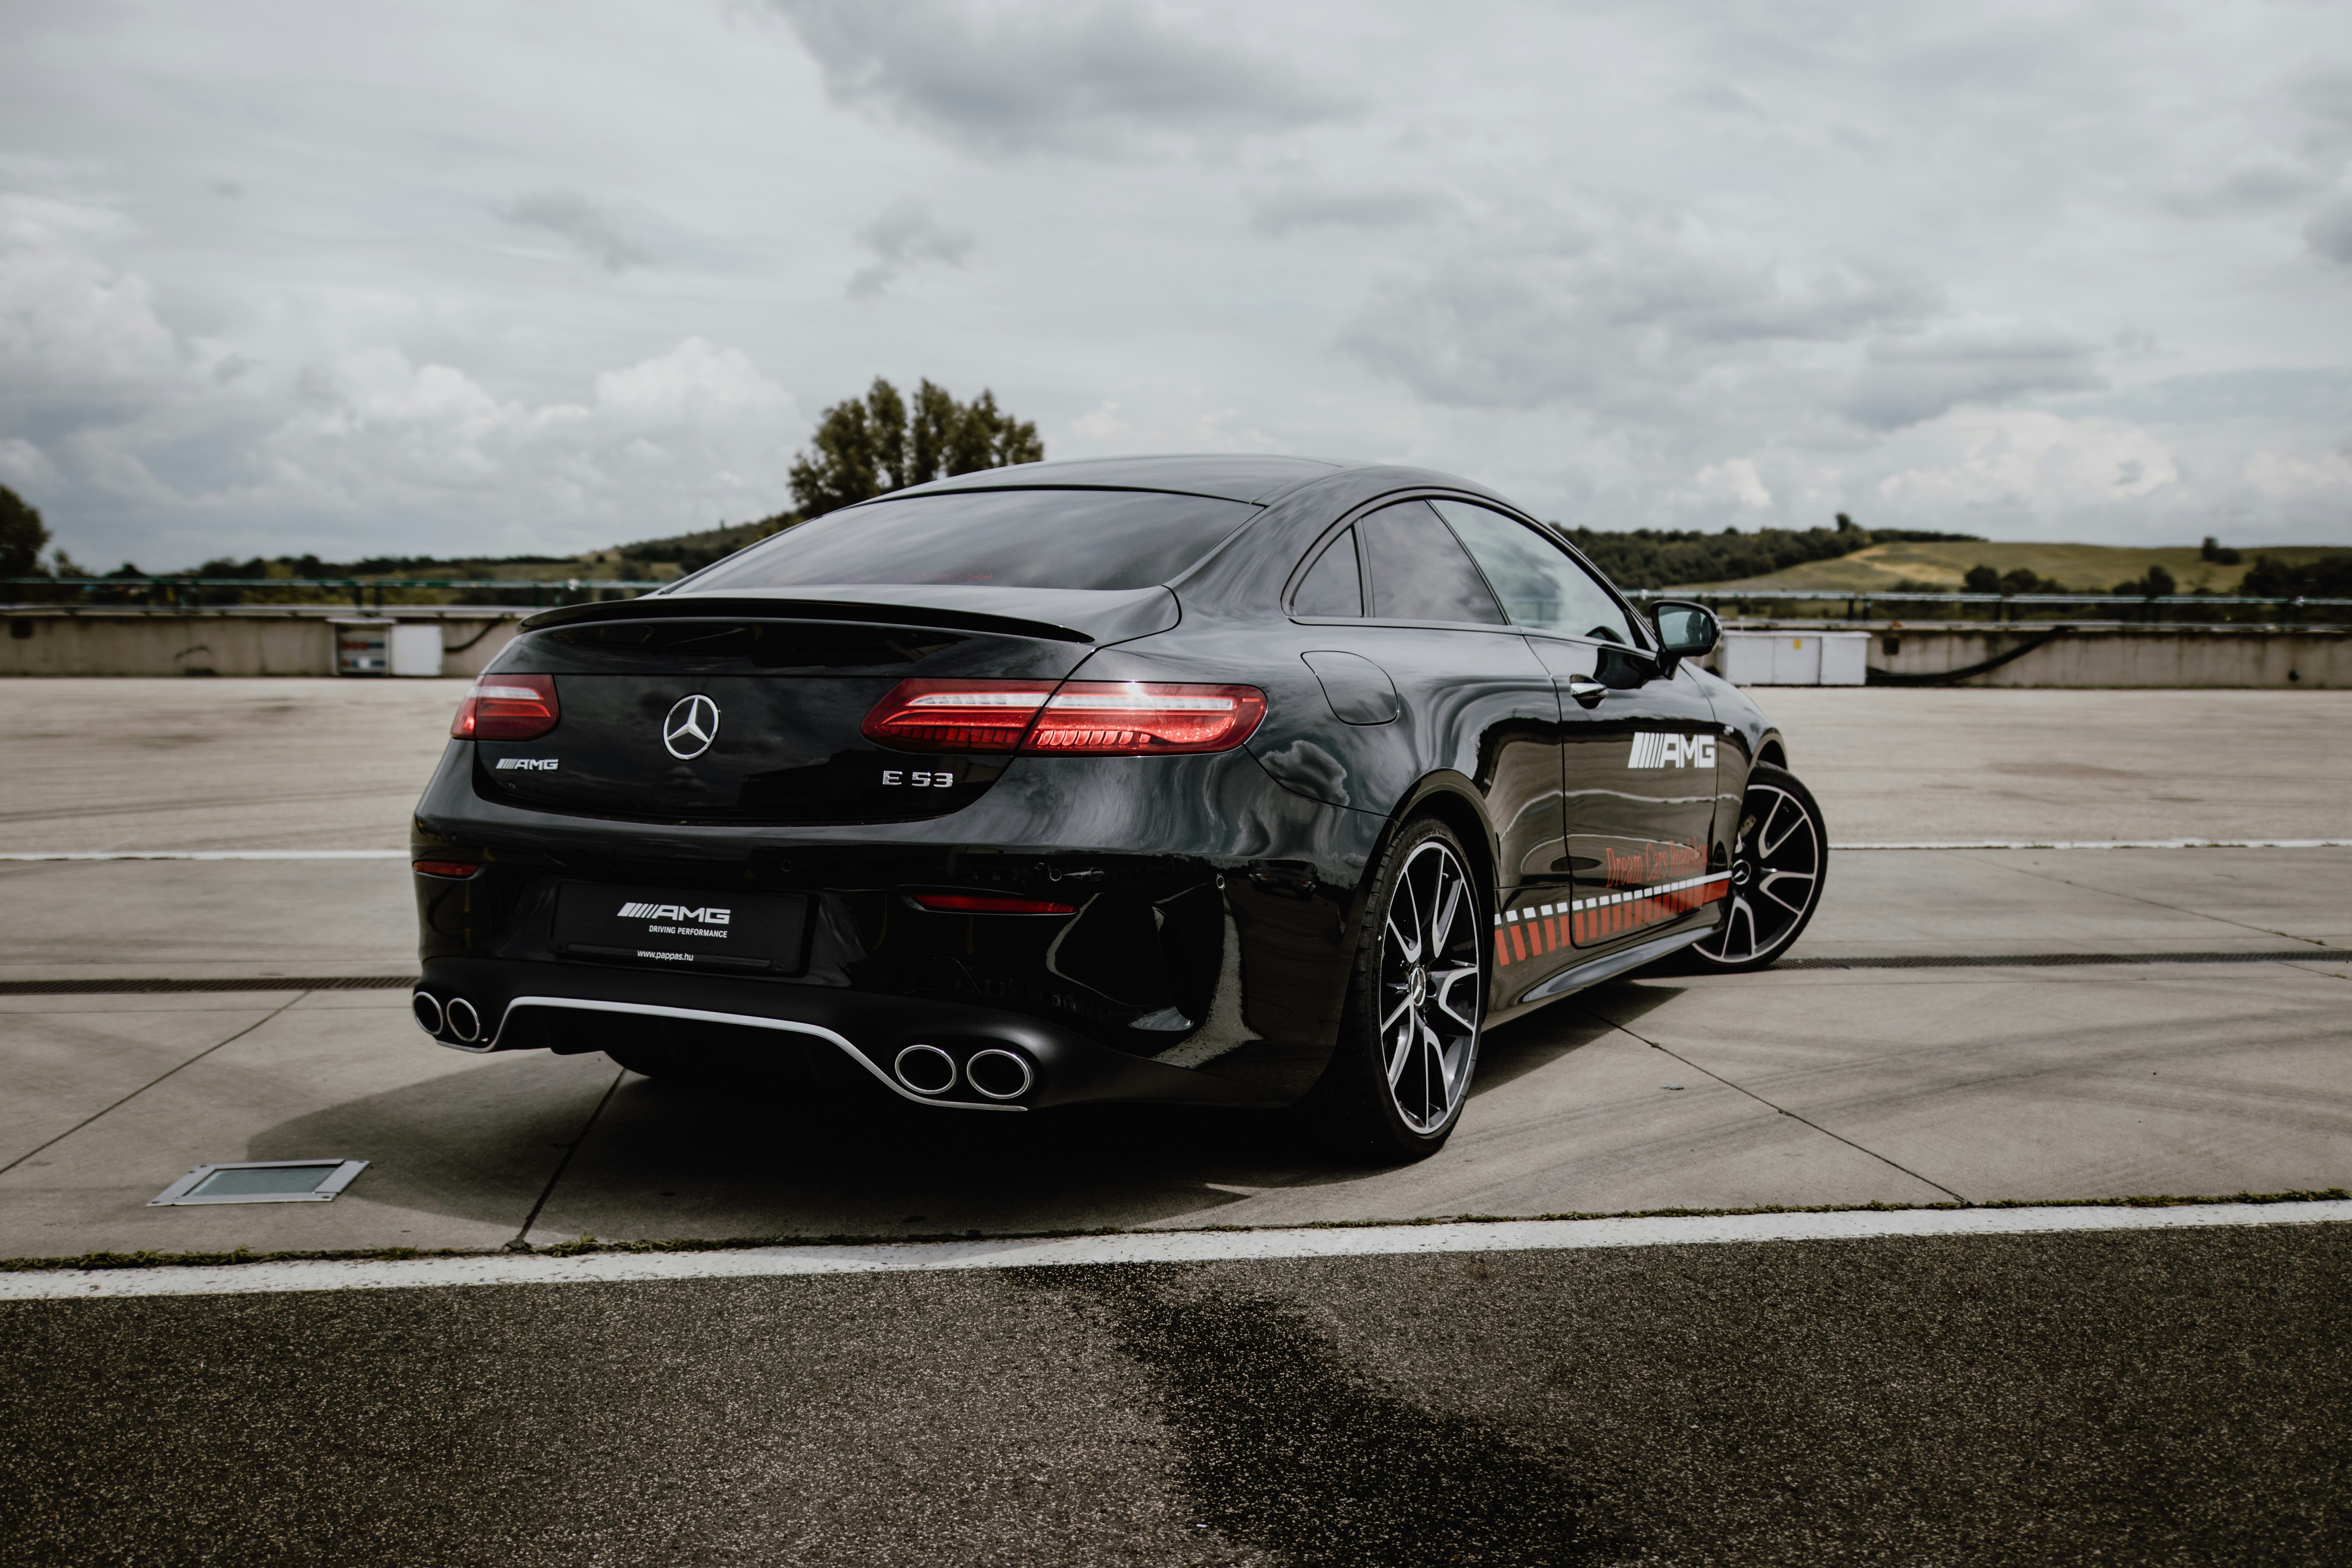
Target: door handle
1586,691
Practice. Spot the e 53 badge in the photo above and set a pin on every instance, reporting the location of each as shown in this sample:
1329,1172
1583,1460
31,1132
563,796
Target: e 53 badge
918,778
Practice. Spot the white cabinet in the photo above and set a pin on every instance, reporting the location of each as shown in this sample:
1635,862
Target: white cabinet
1794,658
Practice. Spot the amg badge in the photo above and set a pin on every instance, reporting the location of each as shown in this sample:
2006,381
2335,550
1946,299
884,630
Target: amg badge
1654,751
532,764
636,911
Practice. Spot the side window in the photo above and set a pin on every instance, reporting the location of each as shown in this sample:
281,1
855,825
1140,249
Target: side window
1333,585
1419,571
1541,584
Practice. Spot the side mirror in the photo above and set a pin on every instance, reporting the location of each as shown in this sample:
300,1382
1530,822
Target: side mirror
1684,631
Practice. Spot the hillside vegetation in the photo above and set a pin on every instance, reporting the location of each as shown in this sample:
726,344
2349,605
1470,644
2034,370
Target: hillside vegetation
1666,558
1943,566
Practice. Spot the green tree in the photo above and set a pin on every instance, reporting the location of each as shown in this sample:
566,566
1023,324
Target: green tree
2329,577
22,537
863,447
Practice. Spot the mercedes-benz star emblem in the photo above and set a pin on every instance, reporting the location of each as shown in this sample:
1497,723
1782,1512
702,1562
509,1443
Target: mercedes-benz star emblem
690,727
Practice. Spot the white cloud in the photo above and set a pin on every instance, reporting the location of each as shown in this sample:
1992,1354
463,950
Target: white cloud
76,336
906,236
2002,462
1626,314
695,427
1163,419
1907,380
1279,212
1085,75
2011,267
1738,478
2280,476
24,464
596,231
2330,232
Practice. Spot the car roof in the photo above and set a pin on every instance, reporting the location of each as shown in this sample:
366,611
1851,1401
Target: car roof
1225,476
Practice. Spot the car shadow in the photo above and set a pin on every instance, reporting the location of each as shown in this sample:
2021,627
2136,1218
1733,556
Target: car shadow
766,1155
1511,1052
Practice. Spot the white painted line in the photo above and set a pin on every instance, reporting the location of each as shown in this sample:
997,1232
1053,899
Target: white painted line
2121,844
206,855
1161,1246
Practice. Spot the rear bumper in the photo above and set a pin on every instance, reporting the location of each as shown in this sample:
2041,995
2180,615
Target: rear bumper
532,1005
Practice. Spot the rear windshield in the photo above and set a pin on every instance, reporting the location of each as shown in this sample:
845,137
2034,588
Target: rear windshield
1015,539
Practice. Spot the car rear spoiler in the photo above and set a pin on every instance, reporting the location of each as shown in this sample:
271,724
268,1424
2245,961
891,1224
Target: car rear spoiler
1058,615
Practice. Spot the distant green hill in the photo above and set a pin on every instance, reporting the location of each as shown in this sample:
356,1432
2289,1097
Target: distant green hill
2086,568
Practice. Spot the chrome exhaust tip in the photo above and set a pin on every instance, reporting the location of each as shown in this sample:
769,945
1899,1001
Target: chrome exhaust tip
465,1024
926,1069
1000,1074
427,1008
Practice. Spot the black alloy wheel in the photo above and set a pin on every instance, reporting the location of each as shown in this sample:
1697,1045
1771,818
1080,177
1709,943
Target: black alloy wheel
1409,1041
1779,859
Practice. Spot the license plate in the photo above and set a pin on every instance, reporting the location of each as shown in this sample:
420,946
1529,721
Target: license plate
669,928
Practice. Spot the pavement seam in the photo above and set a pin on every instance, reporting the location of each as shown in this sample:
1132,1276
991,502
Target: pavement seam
2151,903
1780,1109
150,1083
521,1237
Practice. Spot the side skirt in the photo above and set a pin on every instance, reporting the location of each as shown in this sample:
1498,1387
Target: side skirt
1595,971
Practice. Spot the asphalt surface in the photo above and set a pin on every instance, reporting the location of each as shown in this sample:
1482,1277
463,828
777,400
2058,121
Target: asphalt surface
2168,1397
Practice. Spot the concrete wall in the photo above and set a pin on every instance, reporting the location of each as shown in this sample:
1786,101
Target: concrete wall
2169,657
261,641
131,641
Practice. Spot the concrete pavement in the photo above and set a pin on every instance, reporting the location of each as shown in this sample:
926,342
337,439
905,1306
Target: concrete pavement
1801,1085
1805,1086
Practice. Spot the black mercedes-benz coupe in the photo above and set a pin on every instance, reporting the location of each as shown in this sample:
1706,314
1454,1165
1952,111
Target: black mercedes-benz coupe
1229,781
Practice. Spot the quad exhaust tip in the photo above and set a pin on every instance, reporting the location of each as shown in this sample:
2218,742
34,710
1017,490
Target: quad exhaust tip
427,1008
999,1074
926,1069
465,1024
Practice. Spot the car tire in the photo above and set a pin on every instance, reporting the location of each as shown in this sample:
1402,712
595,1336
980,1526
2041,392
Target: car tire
1779,863
1408,1042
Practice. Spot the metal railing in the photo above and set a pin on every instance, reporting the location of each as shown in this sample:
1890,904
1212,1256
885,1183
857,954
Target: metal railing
184,591
189,591
2007,606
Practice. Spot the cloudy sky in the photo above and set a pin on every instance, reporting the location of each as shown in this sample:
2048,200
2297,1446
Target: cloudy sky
514,276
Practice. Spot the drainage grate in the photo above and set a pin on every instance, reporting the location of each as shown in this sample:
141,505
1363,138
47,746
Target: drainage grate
251,982
2056,960
261,1182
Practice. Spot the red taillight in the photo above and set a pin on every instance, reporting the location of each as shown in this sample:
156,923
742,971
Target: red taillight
956,715
507,707
1145,718
1078,718
989,904
458,869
